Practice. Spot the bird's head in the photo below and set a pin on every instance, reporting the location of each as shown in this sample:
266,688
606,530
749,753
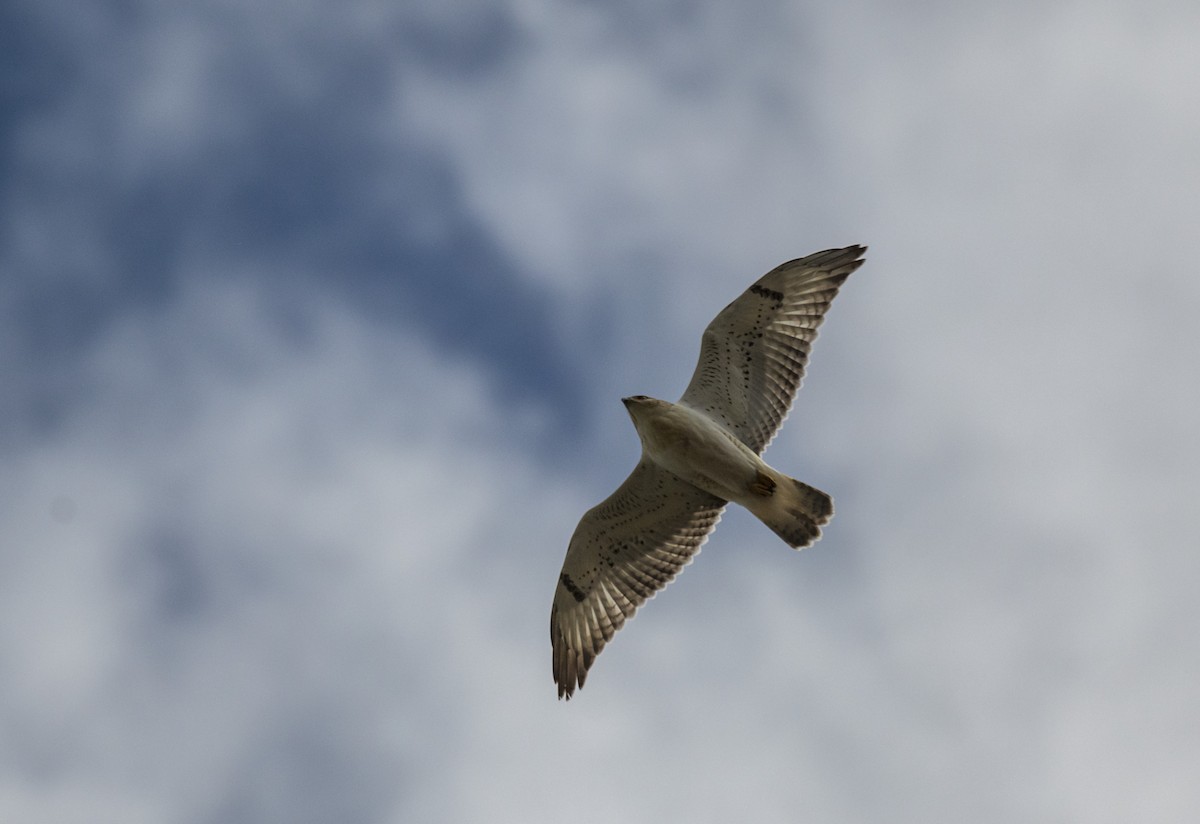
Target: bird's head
638,405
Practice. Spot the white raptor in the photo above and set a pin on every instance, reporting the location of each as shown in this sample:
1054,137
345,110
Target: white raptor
697,455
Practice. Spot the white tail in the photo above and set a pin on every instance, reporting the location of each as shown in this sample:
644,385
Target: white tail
792,509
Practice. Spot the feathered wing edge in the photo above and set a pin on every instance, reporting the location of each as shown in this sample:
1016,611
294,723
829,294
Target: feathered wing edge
623,552
754,353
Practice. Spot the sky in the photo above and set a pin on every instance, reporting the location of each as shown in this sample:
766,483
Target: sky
314,321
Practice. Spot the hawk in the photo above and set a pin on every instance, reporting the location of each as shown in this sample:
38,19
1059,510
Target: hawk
697,455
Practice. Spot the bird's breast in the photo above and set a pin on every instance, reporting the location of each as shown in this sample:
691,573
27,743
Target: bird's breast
693,447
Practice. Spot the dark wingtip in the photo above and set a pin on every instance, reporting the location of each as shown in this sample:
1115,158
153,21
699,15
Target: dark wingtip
564,665
567,684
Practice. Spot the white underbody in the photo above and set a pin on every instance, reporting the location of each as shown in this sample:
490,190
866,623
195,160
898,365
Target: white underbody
693,447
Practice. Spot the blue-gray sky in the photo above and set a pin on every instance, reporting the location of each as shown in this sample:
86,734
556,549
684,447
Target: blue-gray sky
314,318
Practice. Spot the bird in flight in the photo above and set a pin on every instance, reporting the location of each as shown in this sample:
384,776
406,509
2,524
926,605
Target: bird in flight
697,455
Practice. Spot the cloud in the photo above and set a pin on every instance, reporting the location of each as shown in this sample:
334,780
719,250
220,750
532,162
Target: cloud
209,140
311,352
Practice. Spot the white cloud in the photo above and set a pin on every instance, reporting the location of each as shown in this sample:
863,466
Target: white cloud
264,543
235,587
1024,180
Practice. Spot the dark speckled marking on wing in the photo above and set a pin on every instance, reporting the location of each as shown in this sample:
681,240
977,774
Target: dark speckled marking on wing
624,550
753,354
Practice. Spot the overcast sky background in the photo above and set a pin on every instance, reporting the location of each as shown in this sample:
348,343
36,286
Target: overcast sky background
314,318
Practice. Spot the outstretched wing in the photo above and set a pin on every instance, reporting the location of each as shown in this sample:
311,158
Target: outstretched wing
623,551
753,354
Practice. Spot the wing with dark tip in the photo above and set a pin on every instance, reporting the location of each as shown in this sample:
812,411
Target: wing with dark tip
623,551
753,354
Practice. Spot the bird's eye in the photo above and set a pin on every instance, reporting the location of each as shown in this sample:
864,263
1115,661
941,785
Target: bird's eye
640,397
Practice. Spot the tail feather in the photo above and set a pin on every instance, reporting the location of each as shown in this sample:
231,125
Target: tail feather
795,512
